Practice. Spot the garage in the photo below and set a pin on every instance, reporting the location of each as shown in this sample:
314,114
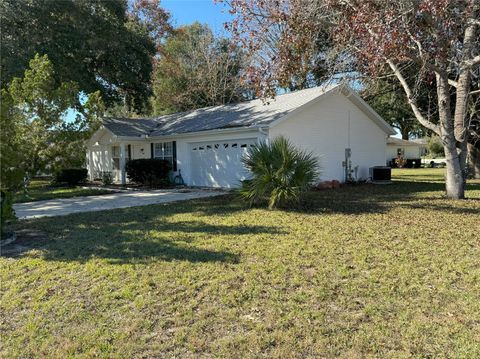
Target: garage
219,163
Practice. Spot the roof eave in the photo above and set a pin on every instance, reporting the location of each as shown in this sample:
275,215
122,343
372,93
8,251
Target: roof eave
348,92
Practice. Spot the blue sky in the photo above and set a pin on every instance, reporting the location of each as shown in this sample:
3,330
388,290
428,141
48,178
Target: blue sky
205,11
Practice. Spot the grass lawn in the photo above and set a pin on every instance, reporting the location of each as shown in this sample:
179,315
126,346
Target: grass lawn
40,190
387,271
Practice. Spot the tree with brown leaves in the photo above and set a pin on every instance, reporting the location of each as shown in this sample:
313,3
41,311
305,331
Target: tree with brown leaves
438,37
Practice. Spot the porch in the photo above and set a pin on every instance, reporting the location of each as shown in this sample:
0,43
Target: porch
113,156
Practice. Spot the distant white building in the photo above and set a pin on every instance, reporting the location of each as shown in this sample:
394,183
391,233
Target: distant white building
409,150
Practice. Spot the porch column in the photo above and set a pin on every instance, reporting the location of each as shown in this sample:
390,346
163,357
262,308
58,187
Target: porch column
90,164
122,163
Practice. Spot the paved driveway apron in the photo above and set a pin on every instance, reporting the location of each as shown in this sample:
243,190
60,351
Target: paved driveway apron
64,206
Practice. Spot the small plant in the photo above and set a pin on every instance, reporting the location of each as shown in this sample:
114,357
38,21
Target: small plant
281,173
400,162
71,176
107,178
152,172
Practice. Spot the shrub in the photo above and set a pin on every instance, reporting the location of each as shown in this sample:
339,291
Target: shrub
435,147
280,173
107,178
400,162
71,176
152,172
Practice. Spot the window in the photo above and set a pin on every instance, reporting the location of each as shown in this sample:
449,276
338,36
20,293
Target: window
116,157
164,151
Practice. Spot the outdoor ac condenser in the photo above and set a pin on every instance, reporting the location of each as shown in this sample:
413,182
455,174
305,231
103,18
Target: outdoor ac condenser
380,173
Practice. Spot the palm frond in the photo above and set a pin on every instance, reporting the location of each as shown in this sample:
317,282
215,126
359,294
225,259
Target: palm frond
280,173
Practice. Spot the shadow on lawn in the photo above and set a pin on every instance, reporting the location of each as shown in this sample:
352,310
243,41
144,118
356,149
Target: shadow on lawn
127,238
177,232
371,198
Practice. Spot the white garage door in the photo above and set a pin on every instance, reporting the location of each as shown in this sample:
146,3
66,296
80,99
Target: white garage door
219,163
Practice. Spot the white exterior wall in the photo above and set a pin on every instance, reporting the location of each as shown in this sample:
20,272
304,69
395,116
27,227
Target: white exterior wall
410,152
140,150
324,129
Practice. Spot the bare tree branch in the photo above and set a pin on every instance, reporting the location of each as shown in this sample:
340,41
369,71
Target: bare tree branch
411,99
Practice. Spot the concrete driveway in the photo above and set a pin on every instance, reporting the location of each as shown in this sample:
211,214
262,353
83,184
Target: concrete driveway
64,206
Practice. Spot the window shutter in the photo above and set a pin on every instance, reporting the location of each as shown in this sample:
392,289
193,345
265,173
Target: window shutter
174,155
151,151
129,152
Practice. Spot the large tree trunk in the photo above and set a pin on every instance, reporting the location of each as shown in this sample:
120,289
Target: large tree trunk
455,176
405,131
454,179
474,160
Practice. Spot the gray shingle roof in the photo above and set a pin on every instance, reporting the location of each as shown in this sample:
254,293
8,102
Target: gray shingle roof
252,113
400,142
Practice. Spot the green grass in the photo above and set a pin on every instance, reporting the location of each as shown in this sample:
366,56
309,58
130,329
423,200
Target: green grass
40,190
388,271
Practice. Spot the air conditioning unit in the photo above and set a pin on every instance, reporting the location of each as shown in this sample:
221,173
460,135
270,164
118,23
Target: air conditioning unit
380,174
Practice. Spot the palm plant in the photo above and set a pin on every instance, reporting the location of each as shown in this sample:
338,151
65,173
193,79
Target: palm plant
280,173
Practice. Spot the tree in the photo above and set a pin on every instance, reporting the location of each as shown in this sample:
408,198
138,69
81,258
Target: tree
435,146
10,156
474,138
438,38
40,104
197,69
100,45
388,100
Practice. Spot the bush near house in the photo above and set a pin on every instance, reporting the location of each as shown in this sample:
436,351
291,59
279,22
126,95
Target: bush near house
151,172
107,178
280,173
71,176
401,162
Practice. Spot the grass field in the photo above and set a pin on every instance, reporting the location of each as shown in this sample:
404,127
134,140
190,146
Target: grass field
388,271
40,190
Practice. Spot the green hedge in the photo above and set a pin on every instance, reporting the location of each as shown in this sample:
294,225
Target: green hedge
71,176
151,172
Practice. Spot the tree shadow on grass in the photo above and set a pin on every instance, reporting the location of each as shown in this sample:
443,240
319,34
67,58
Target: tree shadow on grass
123,239
431,206
371,198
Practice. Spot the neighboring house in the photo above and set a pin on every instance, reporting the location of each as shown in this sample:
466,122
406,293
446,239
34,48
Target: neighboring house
207,145
409,150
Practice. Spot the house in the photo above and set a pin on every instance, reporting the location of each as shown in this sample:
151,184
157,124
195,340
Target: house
409,150
207,145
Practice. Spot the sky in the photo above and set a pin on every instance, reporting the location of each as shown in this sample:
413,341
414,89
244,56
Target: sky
204,11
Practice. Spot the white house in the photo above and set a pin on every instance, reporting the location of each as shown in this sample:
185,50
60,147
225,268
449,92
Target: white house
414,149
207,145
